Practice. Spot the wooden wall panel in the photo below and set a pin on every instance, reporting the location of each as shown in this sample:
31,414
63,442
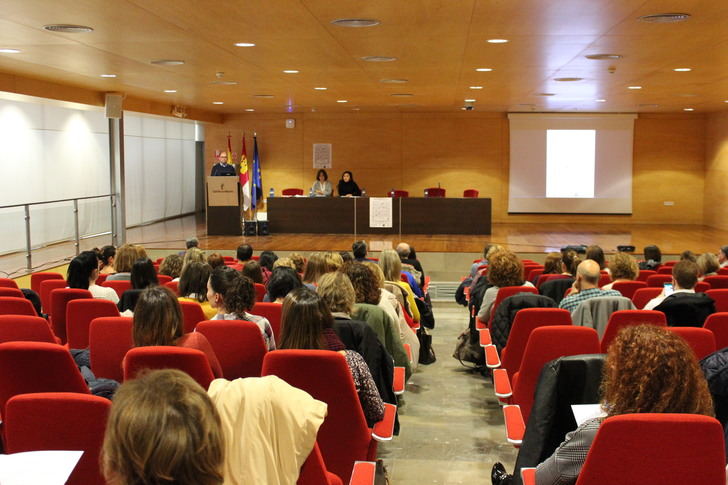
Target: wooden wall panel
716,171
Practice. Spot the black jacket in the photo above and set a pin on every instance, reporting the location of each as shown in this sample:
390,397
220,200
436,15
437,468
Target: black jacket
686,309
555,289
506,312
715,369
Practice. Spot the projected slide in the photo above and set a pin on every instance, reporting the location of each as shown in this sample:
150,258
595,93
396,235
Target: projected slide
570,163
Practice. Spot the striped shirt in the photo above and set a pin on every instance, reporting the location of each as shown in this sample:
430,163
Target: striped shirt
571,302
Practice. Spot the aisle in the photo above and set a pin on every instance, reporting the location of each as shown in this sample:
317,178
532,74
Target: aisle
452,425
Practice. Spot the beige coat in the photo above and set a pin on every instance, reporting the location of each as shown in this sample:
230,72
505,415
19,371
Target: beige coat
389,303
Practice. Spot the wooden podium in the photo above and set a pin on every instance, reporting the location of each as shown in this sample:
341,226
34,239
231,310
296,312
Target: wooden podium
223,206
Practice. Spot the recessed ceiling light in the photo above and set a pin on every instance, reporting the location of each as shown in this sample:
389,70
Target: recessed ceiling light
568,79
378,58
170,91
68,28
220,82
682,69
483,69
291,71
355,109
249,109
244,44
264,96
394,81
603,57
476,87
600,100
470,100
649,105
402,95
664,18
726,101
321,88
688,109
167,62
9,51
634,87
342,100
107,75
497,41
355,22
218,102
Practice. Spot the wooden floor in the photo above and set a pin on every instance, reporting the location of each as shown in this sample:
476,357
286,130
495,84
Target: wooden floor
521,238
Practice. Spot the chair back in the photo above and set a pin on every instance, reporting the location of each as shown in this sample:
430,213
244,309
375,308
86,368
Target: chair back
37,278
101,278
326,376
718,324
13,305
238,345
723,271
260,291
119,286
504,293
642,296
685,442
192,314
544,345
37,367
192,361
658,280
8,283
398,193
701,340
291,192
60,298
644,274
717,282
163,279
46,286
543,278
629,318
523,324
665,270
314,472
604,279
17,328
110,338
702,287
720,297
60,421
14,292
174,286
628,288
80,313
533,273
271,311
434,192
670,263
471,193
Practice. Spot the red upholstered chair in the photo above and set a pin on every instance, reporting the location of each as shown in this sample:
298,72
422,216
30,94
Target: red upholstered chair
718,324
271,311
434,192
119,286
192,314
398,193
658,280
59,301
60,421
229,259
174,286
702,287
110,338
193,362
46,287
665,270
627,318
260,291
37,278
13,292
238,345
471,193
80,313
12,305
701,340
533,273
504,293
604,279
344,437
548,277
644,274
720,296
8,283
670,263
37,367
163,279
643,296
313,471
101,278
16,328
628,288
292,192
723,271
717,282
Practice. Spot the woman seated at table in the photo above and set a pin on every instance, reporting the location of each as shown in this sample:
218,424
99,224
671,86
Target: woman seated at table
322,187
347,187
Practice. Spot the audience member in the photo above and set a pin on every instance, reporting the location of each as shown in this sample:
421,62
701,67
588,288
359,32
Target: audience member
346,256
570,261
141,253
282,281
267,258
193,254
653,258
586,286
504,269
688,255
83,271
252,270
596,253
684,307
488,249
391,266
143,274
158,321
332,261
723,256
299,261
244,253
315,268
184,445
125,257
193,286
107,255
708,265
284,262
405,255
171,266
359,248
215,260
192,242
623,267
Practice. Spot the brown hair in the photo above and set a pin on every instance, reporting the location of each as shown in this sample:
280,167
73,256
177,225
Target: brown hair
238,291
708,263
125,257
651,370
285,262
215,260
364,282
333,261
141,253
685,273
315,267
596,253
571,261
391,264
157,318
303,319
299,261
623,267
171,266
193,254
376,271
337,292
552,265
194,280
252,270
163,428
505,269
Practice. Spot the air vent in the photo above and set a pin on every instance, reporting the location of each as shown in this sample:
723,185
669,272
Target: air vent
603,57
378,58
167,62
355,23
68,28
664,18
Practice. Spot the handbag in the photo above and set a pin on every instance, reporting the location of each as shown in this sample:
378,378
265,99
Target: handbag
427,353
468,349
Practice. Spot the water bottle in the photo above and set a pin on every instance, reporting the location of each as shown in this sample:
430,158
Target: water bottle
363,192
427,192
271,193
310,192
391,192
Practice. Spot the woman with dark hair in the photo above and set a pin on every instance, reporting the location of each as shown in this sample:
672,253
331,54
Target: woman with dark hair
267,258
158,321
638,377
233,295
596,253
307,323
171,266
107,255
193,286
653,258
83,271
252,270
322,187
281,282
347,187
143,274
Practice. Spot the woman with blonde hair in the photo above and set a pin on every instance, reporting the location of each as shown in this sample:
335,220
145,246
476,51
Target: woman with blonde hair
193,254
504,269
391,267
623,267
126,255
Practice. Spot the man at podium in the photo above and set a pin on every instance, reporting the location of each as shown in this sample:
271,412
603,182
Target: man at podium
222,167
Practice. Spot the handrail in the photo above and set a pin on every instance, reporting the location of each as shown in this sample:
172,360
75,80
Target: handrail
55,201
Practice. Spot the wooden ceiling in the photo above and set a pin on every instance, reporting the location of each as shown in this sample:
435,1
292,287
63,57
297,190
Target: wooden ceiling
438,45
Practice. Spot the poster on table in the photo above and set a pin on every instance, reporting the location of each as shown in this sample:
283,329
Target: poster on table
380,212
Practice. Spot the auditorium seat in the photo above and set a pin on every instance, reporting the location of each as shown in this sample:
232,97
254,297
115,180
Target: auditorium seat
604,279
12,305
549,277
670,263
80,313
101,279
628,288
398,193
290,192
260,291
723,271
271,311
110,338
238,345
471,193
37,278
46,286
8,283
163,279
12,292
434,192
718,324
119,286
626,318
314,472
192,361
174,286
644,274
702,287
504,293
192,314
720,297
701,340
717,282
665,270
643,296
658,280
25,328
60,298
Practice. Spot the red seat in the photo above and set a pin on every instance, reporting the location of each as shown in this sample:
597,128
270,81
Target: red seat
59,301
718,324
702,287
670,263
12,305
548,277
174,286
398,193
60,421
627,318
658,280
192,314
37,367
79,314
665,270
238,345
110,338
314,472
723,271
46,287
192,361
643,296
644,274
13,292
344,437
720,297
604,279
37,278
628,288
533,273
260,291
119,286
229,259
271,311
8,283
504,293
701,340
471,193
434,192
17,328
163,279
101,278
717,282
291,192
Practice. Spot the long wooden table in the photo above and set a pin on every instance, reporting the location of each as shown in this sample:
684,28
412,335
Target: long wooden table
350,215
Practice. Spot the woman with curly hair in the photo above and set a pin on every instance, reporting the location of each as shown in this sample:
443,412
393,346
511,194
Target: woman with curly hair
171,266
504,269
623,267
648,370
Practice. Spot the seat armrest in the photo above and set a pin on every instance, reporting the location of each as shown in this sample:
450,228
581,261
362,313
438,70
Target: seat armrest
501,383
408,349
491,357
363,473
398,381
528,476
515,426
485,337
479,324
384,429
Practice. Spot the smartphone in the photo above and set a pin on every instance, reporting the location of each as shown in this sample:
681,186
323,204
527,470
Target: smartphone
668,289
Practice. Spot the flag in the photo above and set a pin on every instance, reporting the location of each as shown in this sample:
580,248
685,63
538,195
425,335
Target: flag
245,177
230,152
257,189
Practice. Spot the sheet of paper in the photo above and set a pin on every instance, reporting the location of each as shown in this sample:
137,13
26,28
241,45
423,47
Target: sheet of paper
583,412
322,155
38,467
380,212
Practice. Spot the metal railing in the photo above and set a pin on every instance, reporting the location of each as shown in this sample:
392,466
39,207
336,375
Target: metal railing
77,238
